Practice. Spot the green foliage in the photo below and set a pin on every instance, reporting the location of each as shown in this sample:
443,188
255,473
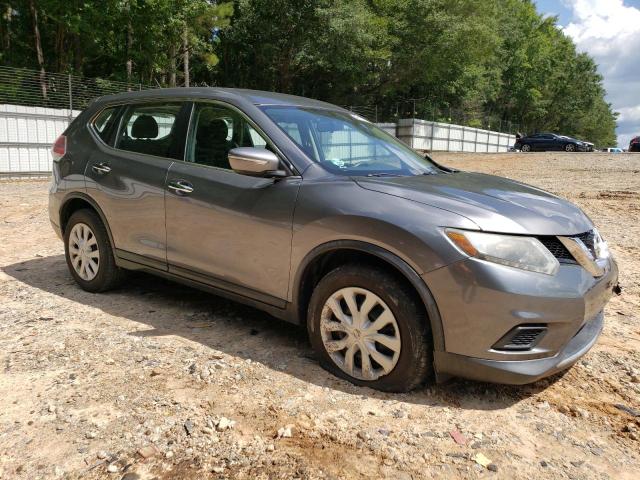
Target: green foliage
96,38
478,62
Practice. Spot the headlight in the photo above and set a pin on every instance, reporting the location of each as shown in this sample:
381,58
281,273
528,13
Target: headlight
526,253
600,246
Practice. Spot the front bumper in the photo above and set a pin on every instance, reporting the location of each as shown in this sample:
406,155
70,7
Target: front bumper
480,302
519,372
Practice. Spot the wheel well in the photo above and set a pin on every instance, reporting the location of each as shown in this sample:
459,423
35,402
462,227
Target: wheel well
70,207
326,262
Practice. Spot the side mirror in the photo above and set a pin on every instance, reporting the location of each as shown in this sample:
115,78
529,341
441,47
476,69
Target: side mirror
257,162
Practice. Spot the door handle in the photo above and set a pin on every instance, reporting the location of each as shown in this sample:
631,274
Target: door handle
180,187
101,168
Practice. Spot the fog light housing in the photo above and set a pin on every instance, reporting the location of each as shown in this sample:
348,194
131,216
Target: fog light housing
522,337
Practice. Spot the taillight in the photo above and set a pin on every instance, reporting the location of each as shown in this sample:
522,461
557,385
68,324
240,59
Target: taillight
59,147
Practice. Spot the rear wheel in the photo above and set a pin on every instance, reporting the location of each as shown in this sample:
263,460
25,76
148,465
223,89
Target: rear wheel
369,328
89,254
526,148
569,147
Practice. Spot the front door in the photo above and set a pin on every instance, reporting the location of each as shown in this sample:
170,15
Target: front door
128,181
548,142
230,230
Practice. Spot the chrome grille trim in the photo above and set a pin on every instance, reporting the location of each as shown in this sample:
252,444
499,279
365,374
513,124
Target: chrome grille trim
583,255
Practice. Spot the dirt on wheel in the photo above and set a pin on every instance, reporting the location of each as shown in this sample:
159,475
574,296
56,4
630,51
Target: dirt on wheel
157,380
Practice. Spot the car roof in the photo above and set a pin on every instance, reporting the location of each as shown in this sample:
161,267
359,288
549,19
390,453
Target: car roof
256,97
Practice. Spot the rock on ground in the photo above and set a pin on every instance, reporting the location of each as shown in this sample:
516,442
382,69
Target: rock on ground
148,380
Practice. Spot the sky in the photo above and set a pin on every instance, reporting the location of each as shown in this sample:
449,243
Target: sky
609,30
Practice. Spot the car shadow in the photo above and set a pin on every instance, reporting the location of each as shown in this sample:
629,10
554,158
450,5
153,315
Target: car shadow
243,332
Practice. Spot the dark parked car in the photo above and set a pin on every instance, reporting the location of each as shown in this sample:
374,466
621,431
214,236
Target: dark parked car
634,144
544,142
398,267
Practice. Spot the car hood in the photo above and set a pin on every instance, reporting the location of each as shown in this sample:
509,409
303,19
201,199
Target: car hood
563,137
495,204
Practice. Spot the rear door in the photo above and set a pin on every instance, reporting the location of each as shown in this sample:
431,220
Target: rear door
226,229
127,177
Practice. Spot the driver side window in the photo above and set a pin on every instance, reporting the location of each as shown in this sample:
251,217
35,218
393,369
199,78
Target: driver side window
214,131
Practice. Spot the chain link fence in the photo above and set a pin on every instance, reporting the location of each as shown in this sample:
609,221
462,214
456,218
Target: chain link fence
55,90
35,107
426,110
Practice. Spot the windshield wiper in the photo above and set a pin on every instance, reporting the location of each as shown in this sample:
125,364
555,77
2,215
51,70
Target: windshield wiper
383,174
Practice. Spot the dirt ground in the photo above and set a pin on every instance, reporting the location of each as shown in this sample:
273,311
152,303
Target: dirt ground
147,381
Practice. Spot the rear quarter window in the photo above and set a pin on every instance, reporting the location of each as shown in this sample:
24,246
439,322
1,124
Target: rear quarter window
103,121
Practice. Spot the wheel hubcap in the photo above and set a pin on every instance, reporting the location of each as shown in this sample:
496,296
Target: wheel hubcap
83,251
360,333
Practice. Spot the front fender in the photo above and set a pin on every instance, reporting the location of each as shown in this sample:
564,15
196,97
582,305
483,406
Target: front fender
342,210
403,267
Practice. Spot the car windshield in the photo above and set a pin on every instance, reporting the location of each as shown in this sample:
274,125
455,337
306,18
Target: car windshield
346,144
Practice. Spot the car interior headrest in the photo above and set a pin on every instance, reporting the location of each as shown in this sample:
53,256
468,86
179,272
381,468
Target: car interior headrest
212,133
145,126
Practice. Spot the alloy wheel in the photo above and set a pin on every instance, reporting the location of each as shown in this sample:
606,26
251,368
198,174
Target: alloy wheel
360,333
84,252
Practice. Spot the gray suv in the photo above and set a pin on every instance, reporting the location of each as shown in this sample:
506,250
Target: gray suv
400,269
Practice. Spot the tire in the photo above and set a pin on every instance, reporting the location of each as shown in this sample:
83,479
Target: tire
408,366
525,148
570,147
79,251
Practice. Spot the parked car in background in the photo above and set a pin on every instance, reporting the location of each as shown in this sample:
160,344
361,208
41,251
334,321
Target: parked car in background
634,145
544,142
397,267
613,150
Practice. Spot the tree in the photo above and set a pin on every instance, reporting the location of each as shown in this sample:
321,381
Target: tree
38,45
476,62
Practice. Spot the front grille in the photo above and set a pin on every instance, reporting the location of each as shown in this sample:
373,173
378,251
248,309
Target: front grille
557,249
563,255
522,337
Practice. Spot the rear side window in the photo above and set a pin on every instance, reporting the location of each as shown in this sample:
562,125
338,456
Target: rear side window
103,122
149,129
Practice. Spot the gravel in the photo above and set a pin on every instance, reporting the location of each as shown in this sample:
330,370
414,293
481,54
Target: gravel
156,380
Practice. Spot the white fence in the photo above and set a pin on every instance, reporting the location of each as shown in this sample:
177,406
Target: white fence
26,137
434,136
27,134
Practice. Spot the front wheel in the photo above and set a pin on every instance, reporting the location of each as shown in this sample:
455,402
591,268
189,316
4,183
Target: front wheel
369,328
525,148
569,147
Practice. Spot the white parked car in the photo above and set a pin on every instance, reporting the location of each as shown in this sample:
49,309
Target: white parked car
613,150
